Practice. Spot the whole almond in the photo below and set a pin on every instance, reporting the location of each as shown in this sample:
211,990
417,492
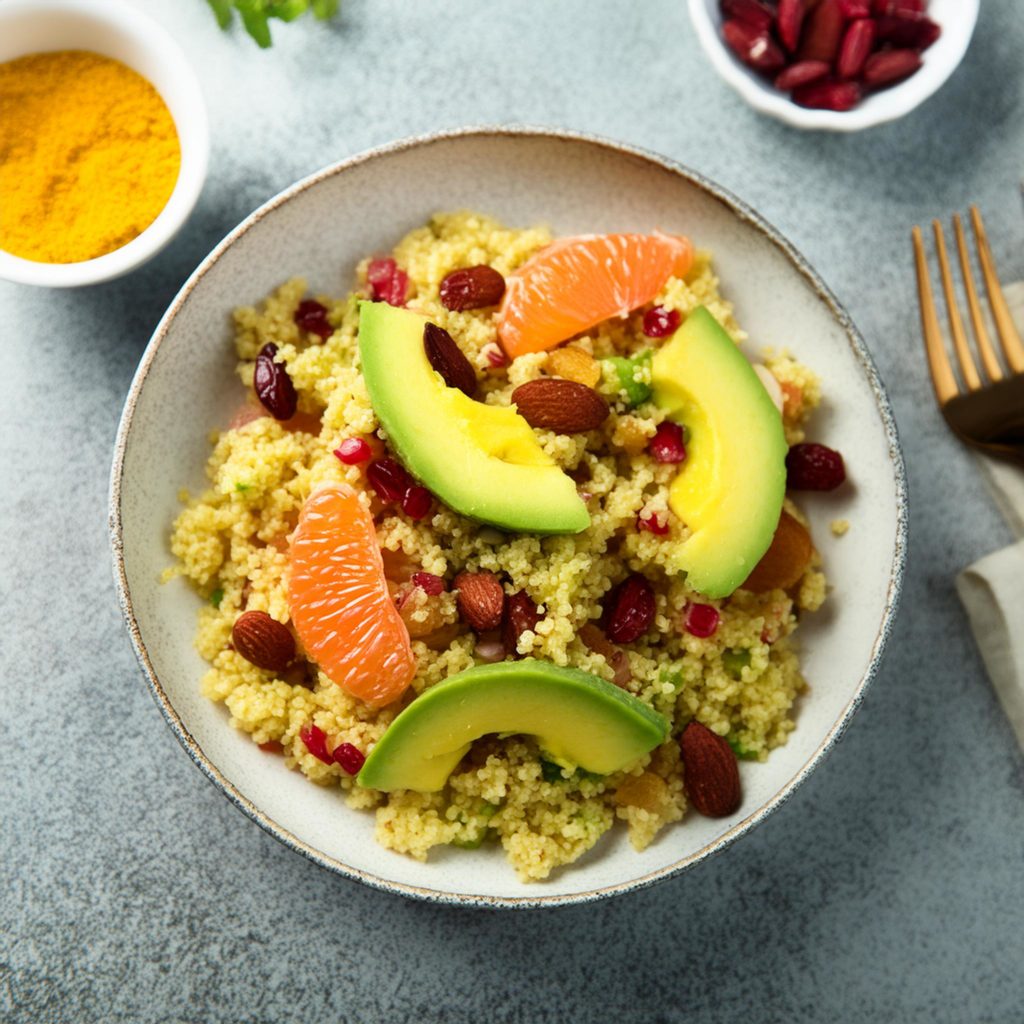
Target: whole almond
785,561
711,774
263,641
574,363
448,359
564,406
472,288
481,599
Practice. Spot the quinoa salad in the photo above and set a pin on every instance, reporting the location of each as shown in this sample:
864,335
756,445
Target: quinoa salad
357,564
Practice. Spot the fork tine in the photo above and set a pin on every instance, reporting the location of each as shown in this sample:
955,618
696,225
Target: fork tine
956,326
942,373
1013,349
988,355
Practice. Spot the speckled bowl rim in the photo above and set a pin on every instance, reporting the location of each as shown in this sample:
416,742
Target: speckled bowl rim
739,209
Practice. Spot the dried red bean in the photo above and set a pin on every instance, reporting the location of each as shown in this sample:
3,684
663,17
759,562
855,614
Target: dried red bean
790,21
350,758
857,42
273,386
889,66
312,316
472,288
828,95
629,610
754,47
352,451
822,32
668,444
428,582
388,282
855,8
448,359
417,502
900,8
316,743
389,479
800,73
701,620
519,616
814,467
751,11
915,33
661,322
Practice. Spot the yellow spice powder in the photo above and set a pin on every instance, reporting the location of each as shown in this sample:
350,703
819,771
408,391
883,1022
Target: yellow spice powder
89,156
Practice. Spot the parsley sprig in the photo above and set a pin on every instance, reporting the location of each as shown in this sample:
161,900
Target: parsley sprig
256,14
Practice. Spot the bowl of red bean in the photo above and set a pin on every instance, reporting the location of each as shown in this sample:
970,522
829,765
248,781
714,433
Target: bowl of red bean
835,65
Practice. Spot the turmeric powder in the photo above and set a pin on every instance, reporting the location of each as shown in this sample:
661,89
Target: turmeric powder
89,155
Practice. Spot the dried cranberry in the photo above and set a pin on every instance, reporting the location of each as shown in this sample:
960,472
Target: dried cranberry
520,615
428,582
629,610
668,444
273,386
661,322
416,502
353,450
652,524
813,467
316,743
701,620
472,288
388,282
349,757
388,479
312,316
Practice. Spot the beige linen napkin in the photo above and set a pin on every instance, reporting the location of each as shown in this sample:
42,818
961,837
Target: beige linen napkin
992,589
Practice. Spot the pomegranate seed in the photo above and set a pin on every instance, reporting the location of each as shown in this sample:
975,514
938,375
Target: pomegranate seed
828,95
668,445
791,19
856,45
416,502
750,11
824,29
312,316
813,467
800,73
855,8
652,524
389,479
661,322
889,67
629,610
754,47
388,283
273,386
520,615
701,620
495,356
428,582
914,33
352,451
350,758
316,743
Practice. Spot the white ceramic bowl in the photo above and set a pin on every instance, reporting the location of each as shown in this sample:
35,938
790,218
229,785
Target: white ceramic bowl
957,18
114,29
320,228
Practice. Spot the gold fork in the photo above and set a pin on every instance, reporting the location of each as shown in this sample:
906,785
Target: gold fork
986,413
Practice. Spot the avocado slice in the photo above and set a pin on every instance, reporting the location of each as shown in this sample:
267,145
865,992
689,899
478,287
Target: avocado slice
729,490
482,460
578,719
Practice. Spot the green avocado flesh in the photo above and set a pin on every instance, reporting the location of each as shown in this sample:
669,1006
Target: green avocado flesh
482,460
577,718
729,490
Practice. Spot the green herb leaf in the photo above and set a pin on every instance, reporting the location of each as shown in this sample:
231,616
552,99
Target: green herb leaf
551,772
242,488
222,11
216,597
256,14
735,661
287,10
325,9
742,752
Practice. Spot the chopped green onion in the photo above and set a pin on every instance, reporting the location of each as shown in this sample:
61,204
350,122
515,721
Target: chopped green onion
216,597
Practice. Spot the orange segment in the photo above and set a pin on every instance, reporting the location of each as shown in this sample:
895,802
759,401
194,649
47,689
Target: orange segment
339,599
576,283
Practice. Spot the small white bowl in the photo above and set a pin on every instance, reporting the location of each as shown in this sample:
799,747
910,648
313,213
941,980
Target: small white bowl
113,29
957,18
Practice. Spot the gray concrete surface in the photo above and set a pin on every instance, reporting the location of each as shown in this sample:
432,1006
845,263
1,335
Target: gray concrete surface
889,889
